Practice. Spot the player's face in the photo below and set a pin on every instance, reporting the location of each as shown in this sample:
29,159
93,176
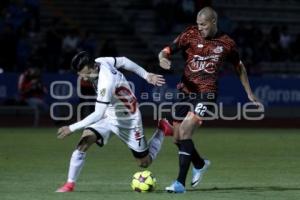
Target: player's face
87,73
206,26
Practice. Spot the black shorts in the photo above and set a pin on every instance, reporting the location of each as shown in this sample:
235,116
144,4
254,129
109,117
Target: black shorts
200,104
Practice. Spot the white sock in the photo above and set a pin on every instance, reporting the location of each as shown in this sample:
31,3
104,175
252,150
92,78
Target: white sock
155,143
76,164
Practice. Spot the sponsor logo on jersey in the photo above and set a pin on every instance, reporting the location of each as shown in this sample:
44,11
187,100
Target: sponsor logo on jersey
200,45
102,92
204,63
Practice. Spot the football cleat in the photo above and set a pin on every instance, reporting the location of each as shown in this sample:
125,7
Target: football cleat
197,174
166,127
176,187
67,187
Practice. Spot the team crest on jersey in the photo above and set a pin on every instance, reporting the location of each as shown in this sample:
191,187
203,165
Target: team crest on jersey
218,49
102,92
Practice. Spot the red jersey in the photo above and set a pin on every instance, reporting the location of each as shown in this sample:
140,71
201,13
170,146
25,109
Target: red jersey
204,58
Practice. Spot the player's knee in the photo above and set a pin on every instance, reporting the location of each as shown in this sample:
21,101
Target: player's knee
87,139
185,132
195,120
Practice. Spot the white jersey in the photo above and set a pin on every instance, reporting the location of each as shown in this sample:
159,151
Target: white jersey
115,99
114,89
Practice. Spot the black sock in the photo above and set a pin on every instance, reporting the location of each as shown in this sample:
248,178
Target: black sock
185,151
197,160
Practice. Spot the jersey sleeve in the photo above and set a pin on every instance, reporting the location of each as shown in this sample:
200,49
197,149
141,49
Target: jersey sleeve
125,63
107,60
182,40
91,118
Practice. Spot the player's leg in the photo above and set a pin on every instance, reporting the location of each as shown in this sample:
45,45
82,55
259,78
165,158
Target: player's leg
176,136
155,143
186,146
90,136
187,150
145,153
203,104
200,165
197,160
77,159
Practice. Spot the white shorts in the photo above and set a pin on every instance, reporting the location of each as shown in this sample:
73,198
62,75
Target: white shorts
133,137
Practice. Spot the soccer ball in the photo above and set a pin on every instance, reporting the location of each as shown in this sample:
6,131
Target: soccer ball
143,181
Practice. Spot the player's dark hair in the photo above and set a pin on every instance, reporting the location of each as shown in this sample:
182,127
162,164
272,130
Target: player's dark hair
80,60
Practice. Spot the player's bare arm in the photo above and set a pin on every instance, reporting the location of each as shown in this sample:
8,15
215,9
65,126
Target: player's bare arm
245,82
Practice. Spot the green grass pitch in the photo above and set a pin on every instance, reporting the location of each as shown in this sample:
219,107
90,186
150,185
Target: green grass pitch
247,164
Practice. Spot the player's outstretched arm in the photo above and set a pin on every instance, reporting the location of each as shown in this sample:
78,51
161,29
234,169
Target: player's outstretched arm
241,70
129,65
125,63
154,79
100,109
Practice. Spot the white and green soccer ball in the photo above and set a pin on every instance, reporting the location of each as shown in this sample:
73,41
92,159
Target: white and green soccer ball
143,181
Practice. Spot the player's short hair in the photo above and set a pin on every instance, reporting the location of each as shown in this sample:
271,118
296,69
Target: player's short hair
80,60
209,12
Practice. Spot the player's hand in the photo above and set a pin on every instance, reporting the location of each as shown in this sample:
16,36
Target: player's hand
254,99
63,132
155,79
164,62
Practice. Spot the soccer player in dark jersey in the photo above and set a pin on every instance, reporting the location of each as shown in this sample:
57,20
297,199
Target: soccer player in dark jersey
204,50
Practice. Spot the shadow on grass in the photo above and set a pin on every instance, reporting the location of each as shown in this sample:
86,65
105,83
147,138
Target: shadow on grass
217,189
246,188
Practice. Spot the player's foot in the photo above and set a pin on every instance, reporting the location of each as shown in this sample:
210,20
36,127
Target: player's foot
176,187
197,174
166,127
67,187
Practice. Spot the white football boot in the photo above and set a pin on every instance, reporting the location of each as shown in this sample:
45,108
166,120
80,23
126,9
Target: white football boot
197,174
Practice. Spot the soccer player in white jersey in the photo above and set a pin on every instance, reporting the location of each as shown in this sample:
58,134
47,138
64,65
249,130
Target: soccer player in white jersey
116,111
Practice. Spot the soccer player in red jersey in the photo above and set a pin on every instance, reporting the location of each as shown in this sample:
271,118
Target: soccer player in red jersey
205,49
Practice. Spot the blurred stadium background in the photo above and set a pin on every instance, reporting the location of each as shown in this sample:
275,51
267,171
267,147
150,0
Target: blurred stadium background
44,35
39,37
